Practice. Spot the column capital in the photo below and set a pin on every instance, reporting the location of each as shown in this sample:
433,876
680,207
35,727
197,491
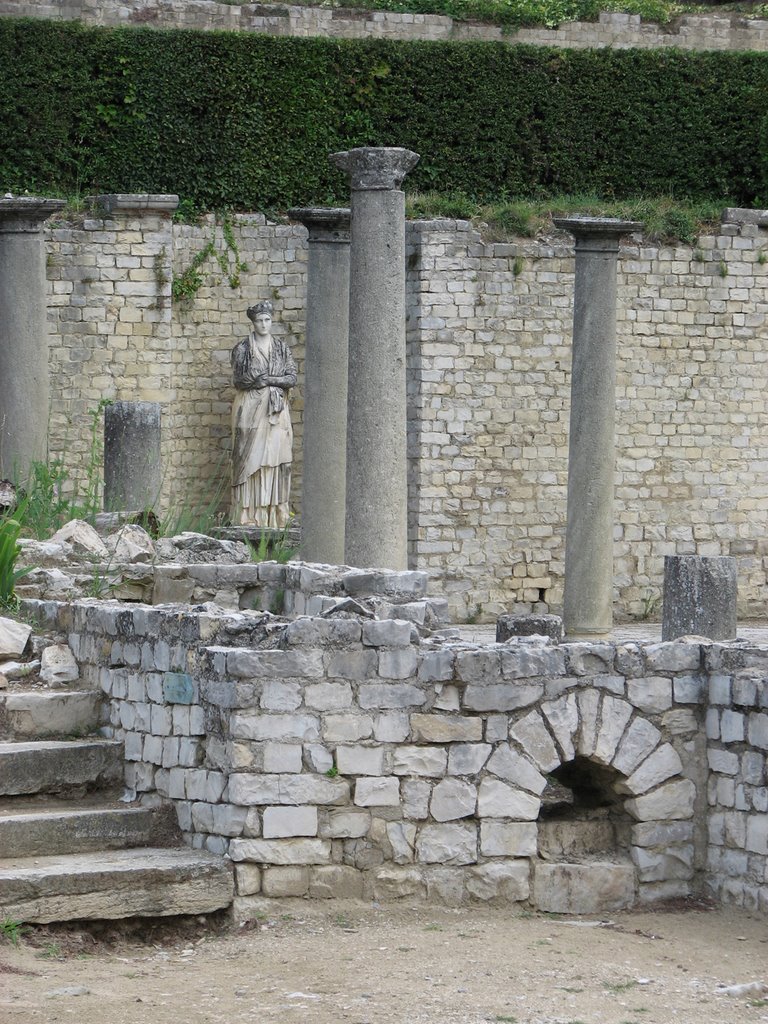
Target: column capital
375,168
597,234
25,214
324,223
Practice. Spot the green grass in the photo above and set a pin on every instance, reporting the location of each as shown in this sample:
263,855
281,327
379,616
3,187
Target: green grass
11,931
665,220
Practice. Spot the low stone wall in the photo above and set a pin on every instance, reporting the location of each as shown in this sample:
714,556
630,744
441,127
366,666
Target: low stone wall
343,757
689,32
737,732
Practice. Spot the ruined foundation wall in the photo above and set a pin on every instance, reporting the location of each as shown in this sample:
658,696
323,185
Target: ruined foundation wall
345,758
690,32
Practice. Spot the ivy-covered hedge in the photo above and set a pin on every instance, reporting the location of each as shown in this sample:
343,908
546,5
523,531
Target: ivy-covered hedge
248,121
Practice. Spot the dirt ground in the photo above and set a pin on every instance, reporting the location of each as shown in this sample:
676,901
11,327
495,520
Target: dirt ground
325,963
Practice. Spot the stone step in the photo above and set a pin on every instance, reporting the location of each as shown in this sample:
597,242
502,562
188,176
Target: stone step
142,882
35,713
55,766
35,828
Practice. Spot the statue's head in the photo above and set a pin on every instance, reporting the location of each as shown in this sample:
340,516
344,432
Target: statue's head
260,316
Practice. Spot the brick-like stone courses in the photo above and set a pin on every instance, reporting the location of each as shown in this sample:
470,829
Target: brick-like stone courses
692,32
737,794
351,760
489,357
488,377
207,327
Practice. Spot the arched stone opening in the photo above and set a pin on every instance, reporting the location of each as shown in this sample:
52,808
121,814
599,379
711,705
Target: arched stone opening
582,816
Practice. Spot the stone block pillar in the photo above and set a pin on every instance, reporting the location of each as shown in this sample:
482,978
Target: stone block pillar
24,386
699,597
325,384
376,530
588,597
132,466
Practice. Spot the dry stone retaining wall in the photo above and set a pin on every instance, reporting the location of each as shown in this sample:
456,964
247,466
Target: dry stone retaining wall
690,32
489,329
341,757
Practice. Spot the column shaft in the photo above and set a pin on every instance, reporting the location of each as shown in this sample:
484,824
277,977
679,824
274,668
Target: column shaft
325,384
24,386
377,492
588,597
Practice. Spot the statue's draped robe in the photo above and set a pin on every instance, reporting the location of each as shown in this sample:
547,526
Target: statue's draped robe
262,436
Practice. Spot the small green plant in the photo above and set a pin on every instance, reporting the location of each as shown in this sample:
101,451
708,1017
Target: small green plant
11,930
697,255
51,951
277,601
273,546
762,257
619,986
723,269
474,616
9,555
332,772
187,284
517,266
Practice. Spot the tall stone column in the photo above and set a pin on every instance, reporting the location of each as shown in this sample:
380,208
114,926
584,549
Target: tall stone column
325,384
376,531
588,597
24,387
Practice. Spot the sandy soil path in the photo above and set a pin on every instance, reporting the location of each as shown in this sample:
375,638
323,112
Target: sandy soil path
348,962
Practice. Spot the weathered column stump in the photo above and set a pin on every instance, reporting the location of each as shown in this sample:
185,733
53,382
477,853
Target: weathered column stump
699,597
132,467
508,626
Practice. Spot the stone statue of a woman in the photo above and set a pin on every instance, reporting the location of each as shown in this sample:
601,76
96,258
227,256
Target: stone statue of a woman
262,437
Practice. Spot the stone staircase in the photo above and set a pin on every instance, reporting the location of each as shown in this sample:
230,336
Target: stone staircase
69,848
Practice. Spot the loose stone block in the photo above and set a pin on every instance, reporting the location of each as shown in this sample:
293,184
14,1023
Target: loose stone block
503,883
284,822
467,758
672,657
508,626
387,633
535,739
447,844
360,760
408,760
673,800
281,851
372,792
508,764
445,728
496,799
452,799
657,768
699,597
288,881
508,839
594,888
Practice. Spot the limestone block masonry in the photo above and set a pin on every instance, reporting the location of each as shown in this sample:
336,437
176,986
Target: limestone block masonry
488,379
688,32
347,759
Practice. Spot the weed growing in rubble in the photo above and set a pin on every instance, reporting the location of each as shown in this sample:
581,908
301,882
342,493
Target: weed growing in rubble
11,931
9,553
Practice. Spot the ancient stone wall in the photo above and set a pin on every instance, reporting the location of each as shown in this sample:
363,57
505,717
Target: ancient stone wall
338,757
737,731
488,380
690,32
